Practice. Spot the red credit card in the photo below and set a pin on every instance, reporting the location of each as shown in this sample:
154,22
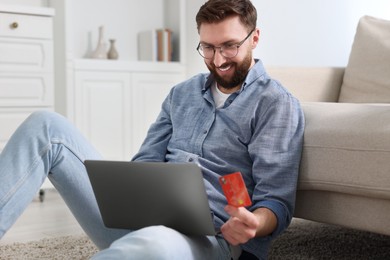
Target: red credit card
235,191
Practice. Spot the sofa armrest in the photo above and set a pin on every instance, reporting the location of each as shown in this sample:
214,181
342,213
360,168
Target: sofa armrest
320,84
344,172
346,149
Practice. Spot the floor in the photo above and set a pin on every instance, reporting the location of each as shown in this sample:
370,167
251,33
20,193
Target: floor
50,218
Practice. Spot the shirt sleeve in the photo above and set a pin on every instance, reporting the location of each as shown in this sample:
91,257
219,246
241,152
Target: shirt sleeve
154,147
275,149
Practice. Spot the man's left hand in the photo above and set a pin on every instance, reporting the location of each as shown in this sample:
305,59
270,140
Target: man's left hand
244,225
241,226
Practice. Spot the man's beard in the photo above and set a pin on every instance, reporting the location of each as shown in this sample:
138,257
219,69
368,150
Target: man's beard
240,72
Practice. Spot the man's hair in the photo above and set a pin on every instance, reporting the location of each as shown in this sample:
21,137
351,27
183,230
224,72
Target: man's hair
215,11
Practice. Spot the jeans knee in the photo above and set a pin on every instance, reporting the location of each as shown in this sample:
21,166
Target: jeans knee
42,121
156,242
40,116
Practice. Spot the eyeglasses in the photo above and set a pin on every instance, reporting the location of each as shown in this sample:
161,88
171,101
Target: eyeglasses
227,50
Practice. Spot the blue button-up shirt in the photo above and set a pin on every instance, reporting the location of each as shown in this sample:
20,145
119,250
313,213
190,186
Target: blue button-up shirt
257,132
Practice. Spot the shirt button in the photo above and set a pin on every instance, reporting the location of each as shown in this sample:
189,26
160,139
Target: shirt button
205,132
190,160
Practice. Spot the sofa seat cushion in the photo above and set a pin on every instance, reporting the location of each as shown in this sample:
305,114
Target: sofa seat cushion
346,149
367,75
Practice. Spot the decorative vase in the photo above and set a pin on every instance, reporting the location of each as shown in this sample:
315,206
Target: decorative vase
112,52
101,49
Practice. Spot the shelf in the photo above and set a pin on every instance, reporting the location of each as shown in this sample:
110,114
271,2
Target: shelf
122,65
77,25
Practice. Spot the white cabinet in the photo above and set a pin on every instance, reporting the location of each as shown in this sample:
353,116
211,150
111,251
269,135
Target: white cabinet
10,119
113,102
115,105
102,111
26,65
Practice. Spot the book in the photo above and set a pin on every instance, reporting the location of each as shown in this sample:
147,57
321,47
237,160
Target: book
155,45
147,45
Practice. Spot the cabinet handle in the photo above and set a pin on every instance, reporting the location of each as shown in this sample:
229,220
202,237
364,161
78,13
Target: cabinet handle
14,25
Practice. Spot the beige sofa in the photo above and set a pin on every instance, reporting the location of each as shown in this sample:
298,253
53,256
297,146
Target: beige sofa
345,168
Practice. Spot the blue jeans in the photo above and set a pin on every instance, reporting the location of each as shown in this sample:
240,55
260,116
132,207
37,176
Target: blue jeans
47,145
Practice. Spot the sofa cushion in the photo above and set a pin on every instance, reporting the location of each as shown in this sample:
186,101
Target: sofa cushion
320,84
346,149
367,75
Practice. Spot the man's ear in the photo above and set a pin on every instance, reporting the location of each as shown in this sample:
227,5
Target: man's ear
255,38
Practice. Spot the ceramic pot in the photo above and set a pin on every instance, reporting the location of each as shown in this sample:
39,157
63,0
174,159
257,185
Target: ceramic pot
112,52
101,49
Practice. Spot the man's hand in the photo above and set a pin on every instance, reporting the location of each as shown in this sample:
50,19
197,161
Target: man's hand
244,225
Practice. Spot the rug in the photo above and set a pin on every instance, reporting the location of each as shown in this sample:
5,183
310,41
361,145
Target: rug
307,240
303,240
67,247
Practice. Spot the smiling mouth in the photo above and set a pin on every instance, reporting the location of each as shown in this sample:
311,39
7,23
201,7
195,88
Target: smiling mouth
225,68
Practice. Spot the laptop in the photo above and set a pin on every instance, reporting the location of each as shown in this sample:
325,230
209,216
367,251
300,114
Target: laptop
133,195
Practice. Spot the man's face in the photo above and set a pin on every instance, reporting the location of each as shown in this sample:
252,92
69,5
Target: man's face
229,72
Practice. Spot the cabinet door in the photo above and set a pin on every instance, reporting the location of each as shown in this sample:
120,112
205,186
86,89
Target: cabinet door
102,111
26,89
148,92
26,55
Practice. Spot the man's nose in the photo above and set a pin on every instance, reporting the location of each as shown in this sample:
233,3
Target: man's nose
218,58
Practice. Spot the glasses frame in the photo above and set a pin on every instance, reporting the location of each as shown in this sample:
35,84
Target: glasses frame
238,45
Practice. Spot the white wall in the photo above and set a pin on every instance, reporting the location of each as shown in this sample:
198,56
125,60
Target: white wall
195,62
311,32
298,33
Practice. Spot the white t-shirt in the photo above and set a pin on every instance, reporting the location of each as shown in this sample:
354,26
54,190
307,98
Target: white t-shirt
219,96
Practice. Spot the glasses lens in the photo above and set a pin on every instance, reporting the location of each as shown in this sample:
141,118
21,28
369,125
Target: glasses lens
229,51
206,51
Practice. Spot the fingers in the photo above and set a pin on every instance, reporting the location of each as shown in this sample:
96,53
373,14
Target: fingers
240,227
235,232
244,215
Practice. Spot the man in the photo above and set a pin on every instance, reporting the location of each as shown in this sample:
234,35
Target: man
233,119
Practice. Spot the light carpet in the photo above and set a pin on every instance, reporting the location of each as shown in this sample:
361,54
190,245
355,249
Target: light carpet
303,240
